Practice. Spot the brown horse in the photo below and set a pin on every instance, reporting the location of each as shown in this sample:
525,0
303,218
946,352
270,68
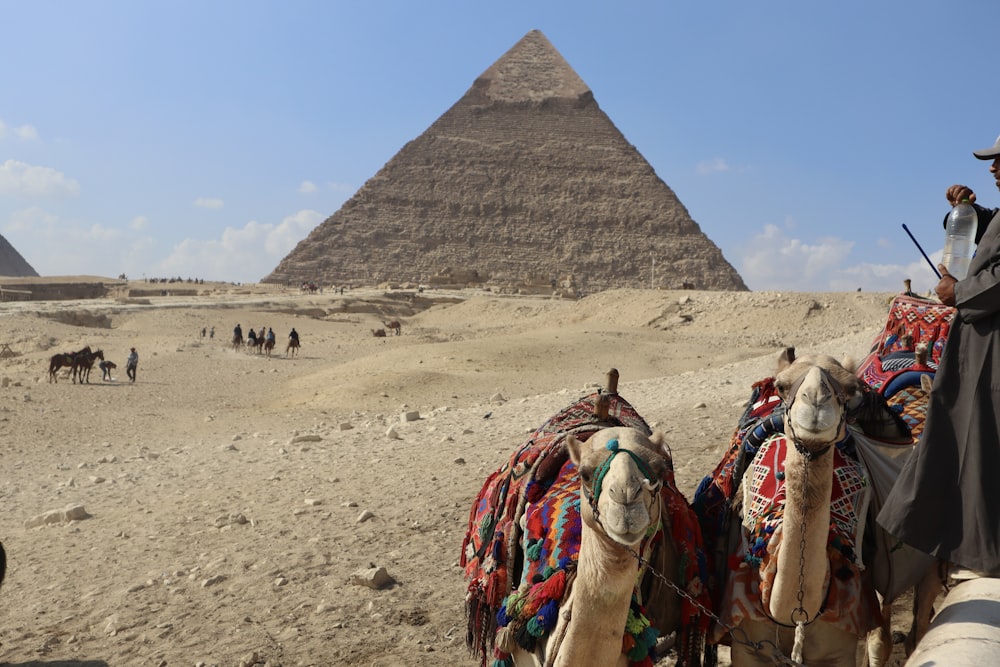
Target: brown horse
237,341
268,346
65,359
59,361
83,363
293,347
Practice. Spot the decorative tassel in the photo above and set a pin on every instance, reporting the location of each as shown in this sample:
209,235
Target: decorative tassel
555,586
800,641
505,640
534,550
548,615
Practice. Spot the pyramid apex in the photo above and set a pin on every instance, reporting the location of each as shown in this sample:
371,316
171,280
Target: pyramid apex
531,71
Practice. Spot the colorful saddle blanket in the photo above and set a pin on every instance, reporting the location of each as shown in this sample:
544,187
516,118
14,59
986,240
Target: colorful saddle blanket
523,540
912,322
742,563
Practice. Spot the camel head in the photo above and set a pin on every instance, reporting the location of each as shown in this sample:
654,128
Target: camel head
817,391
620,475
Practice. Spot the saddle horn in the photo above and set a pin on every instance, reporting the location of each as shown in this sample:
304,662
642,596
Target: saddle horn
602,404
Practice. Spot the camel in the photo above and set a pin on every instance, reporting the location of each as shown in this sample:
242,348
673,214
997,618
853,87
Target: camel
620,502
394,326
581,547
796,586
378,333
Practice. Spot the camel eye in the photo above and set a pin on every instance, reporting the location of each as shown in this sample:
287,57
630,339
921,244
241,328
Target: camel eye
587,474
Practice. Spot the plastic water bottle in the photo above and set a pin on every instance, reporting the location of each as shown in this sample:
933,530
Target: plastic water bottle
960,239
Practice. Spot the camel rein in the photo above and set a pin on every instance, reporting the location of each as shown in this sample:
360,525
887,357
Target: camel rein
738,635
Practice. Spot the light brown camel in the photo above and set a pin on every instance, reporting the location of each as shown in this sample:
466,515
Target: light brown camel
802,616
393,326
620,502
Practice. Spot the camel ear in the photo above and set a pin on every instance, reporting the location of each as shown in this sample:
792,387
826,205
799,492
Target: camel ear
659,441
786,358
849,363
574,447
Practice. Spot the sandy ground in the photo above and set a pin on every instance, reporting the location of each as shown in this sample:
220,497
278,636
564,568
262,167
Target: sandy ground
225,491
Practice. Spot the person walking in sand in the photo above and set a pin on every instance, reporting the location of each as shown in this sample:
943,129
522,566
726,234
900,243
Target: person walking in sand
132,364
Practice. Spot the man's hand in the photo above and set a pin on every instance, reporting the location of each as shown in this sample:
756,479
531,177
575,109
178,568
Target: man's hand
945,289
957,193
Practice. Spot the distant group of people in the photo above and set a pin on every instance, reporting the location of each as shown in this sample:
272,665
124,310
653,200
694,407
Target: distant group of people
260,337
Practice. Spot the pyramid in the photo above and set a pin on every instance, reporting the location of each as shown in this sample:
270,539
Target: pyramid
524,181
11,262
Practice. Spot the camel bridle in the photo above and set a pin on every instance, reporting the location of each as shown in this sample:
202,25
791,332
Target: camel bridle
601,471
838,391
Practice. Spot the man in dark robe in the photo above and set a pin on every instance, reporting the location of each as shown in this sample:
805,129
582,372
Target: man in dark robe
946,502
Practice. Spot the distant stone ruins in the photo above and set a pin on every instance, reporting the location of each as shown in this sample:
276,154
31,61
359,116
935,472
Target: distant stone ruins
523,185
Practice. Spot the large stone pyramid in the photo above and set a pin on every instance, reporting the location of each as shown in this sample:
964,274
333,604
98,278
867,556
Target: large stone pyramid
11,262
524,181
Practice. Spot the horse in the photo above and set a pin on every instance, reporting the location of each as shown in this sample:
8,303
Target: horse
268,346
293,347
258,344
237,341
84,362
58,361
67,359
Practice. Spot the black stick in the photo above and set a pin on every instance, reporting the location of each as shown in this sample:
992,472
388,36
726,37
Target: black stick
933,268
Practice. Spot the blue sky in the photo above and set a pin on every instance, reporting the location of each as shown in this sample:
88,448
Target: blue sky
205,139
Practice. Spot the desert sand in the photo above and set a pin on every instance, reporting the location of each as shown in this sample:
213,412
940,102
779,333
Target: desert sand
229,497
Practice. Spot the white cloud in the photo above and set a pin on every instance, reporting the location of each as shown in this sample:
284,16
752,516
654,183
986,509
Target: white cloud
244,254
208,202
20,178
57,246
139,222
713,166
773,260
307,187
26,132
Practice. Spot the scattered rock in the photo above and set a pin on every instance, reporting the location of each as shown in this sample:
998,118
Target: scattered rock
373,577
65,515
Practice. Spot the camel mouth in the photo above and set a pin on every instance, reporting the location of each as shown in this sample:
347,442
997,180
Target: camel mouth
626,524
